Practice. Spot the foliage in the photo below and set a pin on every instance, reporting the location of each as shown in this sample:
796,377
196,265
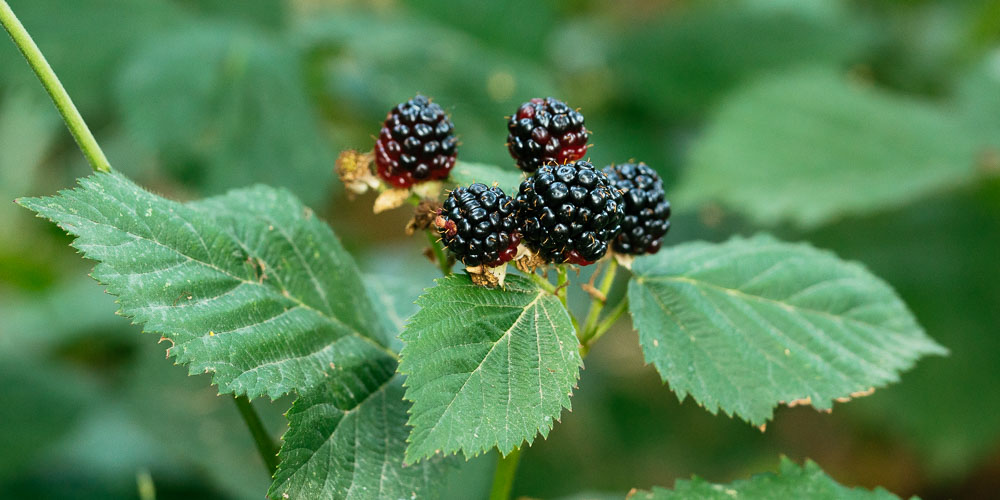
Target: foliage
867,130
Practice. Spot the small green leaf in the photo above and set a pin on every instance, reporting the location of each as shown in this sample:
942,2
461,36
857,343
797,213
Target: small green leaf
250,286
508,179
748,324
791,481
486,367
348,442
808,146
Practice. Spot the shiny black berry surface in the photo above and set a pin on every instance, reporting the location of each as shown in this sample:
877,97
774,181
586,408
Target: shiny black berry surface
546,131
647,212
569,212
478,225
416,144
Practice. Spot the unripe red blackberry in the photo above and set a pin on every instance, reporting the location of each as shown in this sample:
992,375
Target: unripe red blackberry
544,131
478,225
647,212
416,144
569,212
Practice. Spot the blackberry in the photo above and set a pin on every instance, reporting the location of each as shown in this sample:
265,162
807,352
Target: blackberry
478,225
647,213
569,212
546,130
416,144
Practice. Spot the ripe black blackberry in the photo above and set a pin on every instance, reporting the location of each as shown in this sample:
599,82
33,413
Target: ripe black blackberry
569,212
478,225
416,144
544,131
647,212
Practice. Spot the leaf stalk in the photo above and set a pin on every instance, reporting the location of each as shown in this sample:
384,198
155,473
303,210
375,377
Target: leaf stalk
267,448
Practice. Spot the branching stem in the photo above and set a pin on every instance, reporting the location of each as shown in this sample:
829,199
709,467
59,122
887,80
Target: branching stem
77,127
597,304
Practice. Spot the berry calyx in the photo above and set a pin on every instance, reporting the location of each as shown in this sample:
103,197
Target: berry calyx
647,212
416,144
544,131
569,213
478,225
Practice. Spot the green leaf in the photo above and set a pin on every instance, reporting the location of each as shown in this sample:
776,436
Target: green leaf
349,442
486,367
978,99
791,481
809,146
229,104
508,179
748,324
250,286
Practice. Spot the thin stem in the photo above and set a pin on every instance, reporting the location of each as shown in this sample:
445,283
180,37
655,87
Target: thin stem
265,446
439,254
562,283
609,320
542,283
77,127
597,304
503,478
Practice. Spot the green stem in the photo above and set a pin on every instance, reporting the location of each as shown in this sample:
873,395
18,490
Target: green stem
562,283
608,321
54,87
503,478
597,304
439,254
265,446
542,283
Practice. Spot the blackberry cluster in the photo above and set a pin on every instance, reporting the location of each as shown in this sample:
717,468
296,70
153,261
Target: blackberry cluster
544,131
647,212
479,225
416,144
569,212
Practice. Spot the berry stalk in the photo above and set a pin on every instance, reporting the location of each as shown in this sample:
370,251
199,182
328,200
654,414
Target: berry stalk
74,121
597,304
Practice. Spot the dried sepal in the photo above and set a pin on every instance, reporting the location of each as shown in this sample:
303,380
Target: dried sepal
486,276
355,170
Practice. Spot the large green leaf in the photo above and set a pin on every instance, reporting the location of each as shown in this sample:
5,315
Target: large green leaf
809,145
791,481
250,286
348,443
751,323
229,104
486,367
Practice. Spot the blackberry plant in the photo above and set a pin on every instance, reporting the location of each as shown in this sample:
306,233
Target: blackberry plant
570,212
416,144
253,288
544,131
479,225
647,212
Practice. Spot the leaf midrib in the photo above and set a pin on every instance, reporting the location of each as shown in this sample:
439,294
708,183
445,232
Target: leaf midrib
506,333
785,305
224,272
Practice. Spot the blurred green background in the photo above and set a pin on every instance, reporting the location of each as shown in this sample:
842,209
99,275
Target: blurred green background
869,128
